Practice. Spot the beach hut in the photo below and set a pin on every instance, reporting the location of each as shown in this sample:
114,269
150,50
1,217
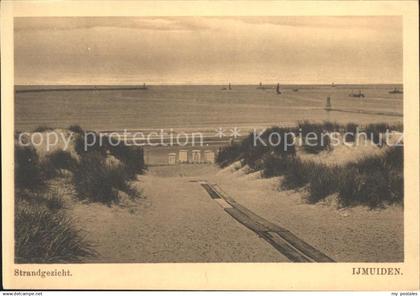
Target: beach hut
183,156
208,156
196,156
171,158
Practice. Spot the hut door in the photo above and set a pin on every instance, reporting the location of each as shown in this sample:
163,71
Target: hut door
196,156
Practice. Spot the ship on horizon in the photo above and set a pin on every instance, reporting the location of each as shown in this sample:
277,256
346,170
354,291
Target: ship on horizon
396,91
261,86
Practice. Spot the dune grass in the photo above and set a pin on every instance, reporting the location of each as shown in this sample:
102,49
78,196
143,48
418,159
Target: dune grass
322,182
228,154
315,136
42,129
51,200
131,156
56,161
252,151
77,129
274,165
95,181
374,132
350,131
43,236
252,154
43,232
28,170
62,160
88,141
331,126
298,173
373,181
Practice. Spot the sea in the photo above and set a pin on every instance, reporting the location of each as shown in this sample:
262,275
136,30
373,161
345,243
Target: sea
200,107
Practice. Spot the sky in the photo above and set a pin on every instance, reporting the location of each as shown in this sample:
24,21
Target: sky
208,50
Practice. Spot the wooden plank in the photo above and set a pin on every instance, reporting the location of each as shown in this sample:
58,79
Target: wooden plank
304,247
245,220
213,194
296,242
221,202
284,247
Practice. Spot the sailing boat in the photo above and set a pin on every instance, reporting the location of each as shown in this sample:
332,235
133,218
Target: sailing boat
143,87
278,89
227,88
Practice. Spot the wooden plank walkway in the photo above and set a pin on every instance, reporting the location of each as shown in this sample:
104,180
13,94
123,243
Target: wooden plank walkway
284,241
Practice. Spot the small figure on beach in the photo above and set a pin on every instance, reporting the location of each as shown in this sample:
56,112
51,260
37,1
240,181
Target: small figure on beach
278,89
328,104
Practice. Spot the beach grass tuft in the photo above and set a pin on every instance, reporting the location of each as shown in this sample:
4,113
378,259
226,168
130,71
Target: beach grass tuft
228,154
42,236
298,173
131,156
315,136
323,182
28,170
56,161
42,129
75,128
96,182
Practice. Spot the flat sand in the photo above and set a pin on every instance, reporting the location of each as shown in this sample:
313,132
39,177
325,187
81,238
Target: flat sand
347,235
177,221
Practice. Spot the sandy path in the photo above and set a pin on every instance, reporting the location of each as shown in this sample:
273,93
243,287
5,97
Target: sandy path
177,222
350,235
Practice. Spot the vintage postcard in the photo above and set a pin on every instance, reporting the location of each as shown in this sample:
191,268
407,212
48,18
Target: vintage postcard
210,145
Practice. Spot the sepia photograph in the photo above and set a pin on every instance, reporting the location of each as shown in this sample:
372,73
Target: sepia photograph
209,139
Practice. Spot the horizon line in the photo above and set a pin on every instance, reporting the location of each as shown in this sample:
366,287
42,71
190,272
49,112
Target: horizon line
209,84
